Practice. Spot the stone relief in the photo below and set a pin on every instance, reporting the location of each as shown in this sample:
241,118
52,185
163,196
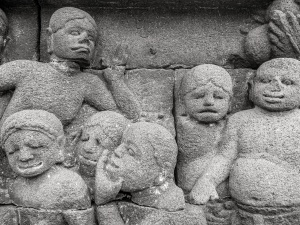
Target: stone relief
44,192
100,145
205,93
277,36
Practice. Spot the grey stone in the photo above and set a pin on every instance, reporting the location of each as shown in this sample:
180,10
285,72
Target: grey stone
154,37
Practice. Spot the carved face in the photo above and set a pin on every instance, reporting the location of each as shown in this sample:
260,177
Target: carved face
75,41
31,153
276,90
134,161
207,103
92,144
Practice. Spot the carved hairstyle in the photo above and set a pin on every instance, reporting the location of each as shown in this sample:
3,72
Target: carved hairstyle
203,74
63,15
163,144
34,120
3,24
111,123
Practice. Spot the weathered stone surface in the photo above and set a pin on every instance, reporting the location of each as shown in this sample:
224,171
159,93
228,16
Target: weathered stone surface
157,3
155,37
23,43
18,3
240,79
139,215
154,90
8,215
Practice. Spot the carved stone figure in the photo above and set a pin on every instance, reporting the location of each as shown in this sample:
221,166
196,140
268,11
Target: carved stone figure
60,86
262,148
4,97
102,131
44,191
205,92
143,165
277,37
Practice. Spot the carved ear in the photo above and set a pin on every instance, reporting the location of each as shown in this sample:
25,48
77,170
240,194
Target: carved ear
49,40
75,137
61,140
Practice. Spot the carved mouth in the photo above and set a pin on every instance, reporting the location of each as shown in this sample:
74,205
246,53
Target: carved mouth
81,50
87,160
208,111
24,167
273,98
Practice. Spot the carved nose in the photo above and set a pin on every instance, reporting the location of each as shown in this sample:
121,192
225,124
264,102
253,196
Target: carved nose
84,38
276,85
209,100
119,151
25,155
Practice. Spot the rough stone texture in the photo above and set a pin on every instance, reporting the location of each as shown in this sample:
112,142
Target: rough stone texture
154,37
34,143
240,79
18,3
8,215
103,130
154,91
157,3
261,149
23,43
278,37
143,165
139,215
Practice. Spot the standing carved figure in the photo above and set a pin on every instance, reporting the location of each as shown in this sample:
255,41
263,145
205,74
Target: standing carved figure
44,191
143,165
206,93
60,86
261,150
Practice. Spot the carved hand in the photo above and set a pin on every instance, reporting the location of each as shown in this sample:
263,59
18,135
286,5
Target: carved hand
203,191
118,63
284,34
106,189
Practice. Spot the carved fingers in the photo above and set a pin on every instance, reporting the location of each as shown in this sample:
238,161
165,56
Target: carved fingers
202,192
284,34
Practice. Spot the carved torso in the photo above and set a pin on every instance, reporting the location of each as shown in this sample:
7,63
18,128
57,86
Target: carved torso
266,172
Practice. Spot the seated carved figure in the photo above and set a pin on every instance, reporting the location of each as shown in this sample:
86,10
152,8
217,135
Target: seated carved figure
205,92
143,166
262,150
44,192
60,86
103,130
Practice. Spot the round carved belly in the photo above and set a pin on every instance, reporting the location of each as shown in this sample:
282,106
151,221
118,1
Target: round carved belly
259,182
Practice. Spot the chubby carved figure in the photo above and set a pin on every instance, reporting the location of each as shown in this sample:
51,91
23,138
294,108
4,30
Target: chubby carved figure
143,165
44,192
205,92
60,86
102,131
261,147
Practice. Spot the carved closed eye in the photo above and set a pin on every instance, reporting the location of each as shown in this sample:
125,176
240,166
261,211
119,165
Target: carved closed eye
131,151
85,138
264,80
287,82
75,32
217,96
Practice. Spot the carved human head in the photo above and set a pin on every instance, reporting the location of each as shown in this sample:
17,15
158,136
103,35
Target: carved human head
103,130
3,30
276,85
206,92
33,141
146,157
72,36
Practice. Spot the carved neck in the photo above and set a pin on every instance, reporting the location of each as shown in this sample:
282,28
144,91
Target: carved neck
166,196
65,66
